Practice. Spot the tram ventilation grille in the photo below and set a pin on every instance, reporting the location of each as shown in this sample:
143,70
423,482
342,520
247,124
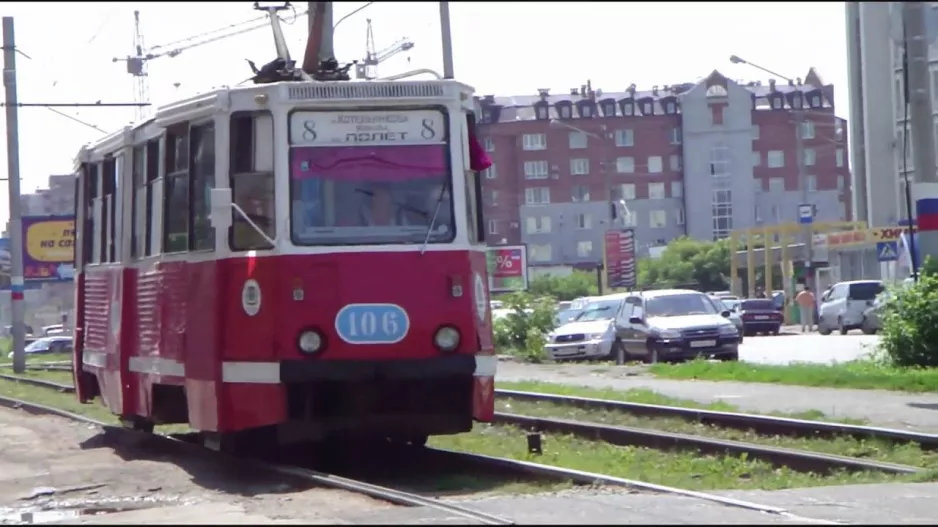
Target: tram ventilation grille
363,91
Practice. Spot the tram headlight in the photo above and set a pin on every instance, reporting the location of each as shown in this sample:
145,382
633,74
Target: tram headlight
309,341
446,338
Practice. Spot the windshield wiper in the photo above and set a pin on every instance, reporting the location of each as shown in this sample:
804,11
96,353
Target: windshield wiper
436,213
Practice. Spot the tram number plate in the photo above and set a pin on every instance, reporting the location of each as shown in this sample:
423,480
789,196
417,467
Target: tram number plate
703,343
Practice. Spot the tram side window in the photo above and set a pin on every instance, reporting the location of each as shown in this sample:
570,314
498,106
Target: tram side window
202,169
109,211
138,207
252,180
176,193
89,233
473,187
152,179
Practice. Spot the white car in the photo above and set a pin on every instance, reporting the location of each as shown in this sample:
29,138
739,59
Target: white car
591,335
57,344
844,304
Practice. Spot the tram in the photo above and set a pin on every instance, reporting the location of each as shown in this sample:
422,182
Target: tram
297,258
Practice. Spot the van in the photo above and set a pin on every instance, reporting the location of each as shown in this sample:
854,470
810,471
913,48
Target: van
843,305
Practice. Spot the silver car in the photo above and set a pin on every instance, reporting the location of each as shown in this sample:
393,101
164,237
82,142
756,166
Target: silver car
591,334
731,304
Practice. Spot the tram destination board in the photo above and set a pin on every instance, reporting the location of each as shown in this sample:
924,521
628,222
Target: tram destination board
620,258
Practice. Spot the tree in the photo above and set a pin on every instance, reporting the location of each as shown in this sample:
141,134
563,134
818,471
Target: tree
909,336
575,285
686,261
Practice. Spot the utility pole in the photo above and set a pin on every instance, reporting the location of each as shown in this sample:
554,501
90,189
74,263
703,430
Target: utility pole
13,179
447,37
808,232
920,118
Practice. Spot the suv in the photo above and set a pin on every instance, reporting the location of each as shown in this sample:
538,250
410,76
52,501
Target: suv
843,305
674,324
591,334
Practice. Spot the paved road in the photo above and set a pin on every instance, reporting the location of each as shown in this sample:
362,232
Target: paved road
882,408
811,347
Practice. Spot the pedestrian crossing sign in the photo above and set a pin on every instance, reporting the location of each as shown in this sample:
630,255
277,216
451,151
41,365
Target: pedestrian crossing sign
887,251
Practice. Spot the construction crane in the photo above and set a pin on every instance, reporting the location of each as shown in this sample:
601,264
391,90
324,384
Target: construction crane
137,63
368,68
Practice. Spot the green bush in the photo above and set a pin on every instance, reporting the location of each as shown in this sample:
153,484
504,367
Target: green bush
910,323
516,332
573,286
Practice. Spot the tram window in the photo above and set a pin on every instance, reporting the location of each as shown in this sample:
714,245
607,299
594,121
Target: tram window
202,149
138,206
152,177
109,210
252,180
176,193
473,188
88,236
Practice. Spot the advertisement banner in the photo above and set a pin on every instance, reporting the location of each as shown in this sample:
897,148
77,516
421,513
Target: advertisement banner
48,248
507,268
620,258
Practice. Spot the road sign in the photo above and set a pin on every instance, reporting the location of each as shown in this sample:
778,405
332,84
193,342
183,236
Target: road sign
620,258
887,251
805,213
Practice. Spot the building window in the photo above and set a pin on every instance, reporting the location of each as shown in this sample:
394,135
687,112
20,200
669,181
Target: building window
669,108
656,191
535,170
807,130
816,101
538,224
625,138
580,193
654,165
578,140
489,144
490,172
716,115
719,161
628,109
537,196
756,158
810,157
542,112
493,198
840,157
677,189
679,216
565,111
584,248
630,220
584,221
586,111
658,219
493,227
675,162
776,103
625,165
755,132
539,253
776,184
534,141
758,213
811,182
579,166
609,109
626,191
776,158
840,182
842,210
676,136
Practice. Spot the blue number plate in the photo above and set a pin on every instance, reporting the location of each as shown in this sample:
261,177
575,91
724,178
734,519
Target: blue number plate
372,323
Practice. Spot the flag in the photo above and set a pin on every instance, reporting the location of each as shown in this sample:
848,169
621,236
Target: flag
478,159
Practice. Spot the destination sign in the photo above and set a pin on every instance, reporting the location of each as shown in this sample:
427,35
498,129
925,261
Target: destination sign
373,128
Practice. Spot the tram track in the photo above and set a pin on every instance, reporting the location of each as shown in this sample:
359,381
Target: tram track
391,495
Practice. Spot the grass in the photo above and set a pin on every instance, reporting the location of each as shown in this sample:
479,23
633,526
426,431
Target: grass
640,395
37,357
860,374
879,450
688,470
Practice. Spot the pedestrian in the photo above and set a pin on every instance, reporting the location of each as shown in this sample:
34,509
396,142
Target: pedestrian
806,303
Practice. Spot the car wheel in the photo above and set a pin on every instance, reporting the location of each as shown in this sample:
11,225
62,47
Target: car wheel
614,352
841,327
652,356
866,328
823,330
776,330
730,357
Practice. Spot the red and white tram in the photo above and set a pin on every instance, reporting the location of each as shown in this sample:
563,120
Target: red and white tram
303,258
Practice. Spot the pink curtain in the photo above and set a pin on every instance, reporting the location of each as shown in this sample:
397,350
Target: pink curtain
478,159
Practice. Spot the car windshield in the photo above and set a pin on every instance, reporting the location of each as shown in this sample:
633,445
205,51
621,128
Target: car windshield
39,345
567,315
679,305
602,310
758,305
730,305
370,178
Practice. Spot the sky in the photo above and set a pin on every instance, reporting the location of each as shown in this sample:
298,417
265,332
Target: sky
500,48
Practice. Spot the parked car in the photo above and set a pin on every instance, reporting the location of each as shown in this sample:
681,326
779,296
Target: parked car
57,344
731,305
844,304
55,329
759,315
591,334
873,316
674,324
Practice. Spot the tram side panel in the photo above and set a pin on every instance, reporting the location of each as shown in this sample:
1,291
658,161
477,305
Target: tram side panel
205,297
102,305
483,387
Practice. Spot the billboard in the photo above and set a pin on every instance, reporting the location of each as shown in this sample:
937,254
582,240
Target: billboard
620,258
48,248
507,268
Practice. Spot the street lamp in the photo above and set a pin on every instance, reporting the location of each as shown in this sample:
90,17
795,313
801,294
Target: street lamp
606,179
350,14
798,115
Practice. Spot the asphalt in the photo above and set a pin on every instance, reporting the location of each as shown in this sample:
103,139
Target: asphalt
878,407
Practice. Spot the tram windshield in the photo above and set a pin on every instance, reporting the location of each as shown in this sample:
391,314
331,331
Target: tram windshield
371,194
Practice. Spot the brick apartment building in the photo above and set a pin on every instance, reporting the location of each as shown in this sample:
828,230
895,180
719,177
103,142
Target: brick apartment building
697,159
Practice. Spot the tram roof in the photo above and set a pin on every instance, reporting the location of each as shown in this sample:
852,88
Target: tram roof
233,98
